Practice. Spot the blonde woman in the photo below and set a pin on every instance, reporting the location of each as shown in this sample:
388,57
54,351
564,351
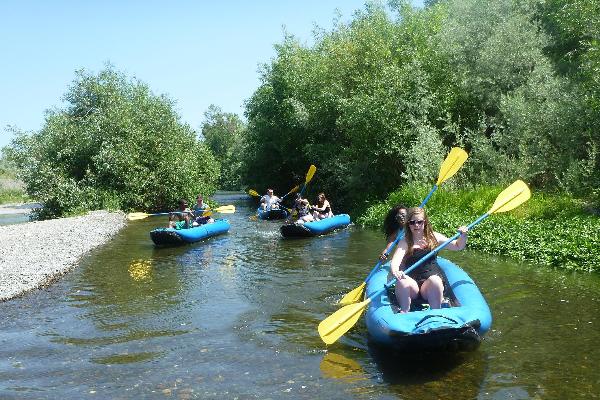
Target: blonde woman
428,279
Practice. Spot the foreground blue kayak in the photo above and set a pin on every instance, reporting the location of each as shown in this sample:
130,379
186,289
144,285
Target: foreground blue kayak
280,213
459,325
315,228
176,237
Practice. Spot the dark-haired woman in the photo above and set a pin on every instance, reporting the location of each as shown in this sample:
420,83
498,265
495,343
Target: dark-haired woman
392,226
322,209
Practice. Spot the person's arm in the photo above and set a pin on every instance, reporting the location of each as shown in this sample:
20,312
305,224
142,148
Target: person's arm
455,245
321,209
390,240
397,259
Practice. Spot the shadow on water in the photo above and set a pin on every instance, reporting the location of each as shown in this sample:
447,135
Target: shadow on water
417,376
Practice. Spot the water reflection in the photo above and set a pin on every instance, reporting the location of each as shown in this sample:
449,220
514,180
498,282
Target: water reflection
338,366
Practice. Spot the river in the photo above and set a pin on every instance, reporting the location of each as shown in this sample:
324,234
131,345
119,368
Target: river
235,317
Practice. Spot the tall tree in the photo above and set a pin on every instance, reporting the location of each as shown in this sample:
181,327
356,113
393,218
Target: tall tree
223,134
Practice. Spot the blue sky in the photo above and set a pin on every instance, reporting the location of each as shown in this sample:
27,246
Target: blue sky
197,52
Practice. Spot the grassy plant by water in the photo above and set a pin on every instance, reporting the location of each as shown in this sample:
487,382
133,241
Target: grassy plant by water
552,230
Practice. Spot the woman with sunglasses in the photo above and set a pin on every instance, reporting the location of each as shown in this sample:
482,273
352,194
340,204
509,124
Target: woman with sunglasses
392,225
427,280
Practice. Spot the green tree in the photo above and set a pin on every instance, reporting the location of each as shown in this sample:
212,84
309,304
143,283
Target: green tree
114,145
223,134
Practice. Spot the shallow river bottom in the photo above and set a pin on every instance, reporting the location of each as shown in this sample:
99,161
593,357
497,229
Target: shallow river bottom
235,316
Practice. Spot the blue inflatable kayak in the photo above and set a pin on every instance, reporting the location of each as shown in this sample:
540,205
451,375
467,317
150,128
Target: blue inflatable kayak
175,237
280,213
458,325
315,228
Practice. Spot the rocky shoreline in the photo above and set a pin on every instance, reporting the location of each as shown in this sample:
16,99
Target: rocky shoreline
34,254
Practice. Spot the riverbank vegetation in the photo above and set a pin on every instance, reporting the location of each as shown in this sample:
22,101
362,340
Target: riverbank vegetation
11,189
552,230
376,103
115,145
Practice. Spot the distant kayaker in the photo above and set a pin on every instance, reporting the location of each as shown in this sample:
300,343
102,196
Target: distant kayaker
392,225
428,279
182,218
302,207
322,209
199,209
269,201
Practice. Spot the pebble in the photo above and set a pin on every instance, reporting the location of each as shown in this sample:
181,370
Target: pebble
35,254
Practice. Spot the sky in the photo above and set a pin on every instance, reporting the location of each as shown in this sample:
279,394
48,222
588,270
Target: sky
197,52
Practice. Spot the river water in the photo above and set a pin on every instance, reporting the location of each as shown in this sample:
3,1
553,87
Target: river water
235,317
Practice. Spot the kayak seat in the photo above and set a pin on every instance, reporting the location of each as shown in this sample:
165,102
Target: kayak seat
419,304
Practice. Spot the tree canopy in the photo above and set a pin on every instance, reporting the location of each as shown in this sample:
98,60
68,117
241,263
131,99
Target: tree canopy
377,102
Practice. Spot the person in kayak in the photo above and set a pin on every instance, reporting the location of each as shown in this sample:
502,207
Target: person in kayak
182,218
269,201
323,209
199,209
427,280
392,226
302,207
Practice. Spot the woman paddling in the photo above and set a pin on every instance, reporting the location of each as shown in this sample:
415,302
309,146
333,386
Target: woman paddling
428,279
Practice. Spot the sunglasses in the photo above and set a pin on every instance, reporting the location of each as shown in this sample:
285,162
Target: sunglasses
416,222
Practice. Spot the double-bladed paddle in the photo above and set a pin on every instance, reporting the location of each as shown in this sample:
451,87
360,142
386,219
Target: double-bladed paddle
230,209
338,323
454,160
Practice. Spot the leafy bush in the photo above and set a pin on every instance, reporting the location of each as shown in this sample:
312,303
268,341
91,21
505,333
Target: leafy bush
115,145
549,229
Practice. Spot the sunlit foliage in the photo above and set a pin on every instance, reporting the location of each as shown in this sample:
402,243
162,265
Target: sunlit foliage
114,145
377,102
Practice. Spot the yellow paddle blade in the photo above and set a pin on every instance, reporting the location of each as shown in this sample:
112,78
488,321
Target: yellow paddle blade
253,193
294,190
340,322
230,209
354,296
454,160
137,215
511,197
311,172
223,210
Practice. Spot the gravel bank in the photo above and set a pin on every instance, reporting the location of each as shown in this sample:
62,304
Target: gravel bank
34,254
